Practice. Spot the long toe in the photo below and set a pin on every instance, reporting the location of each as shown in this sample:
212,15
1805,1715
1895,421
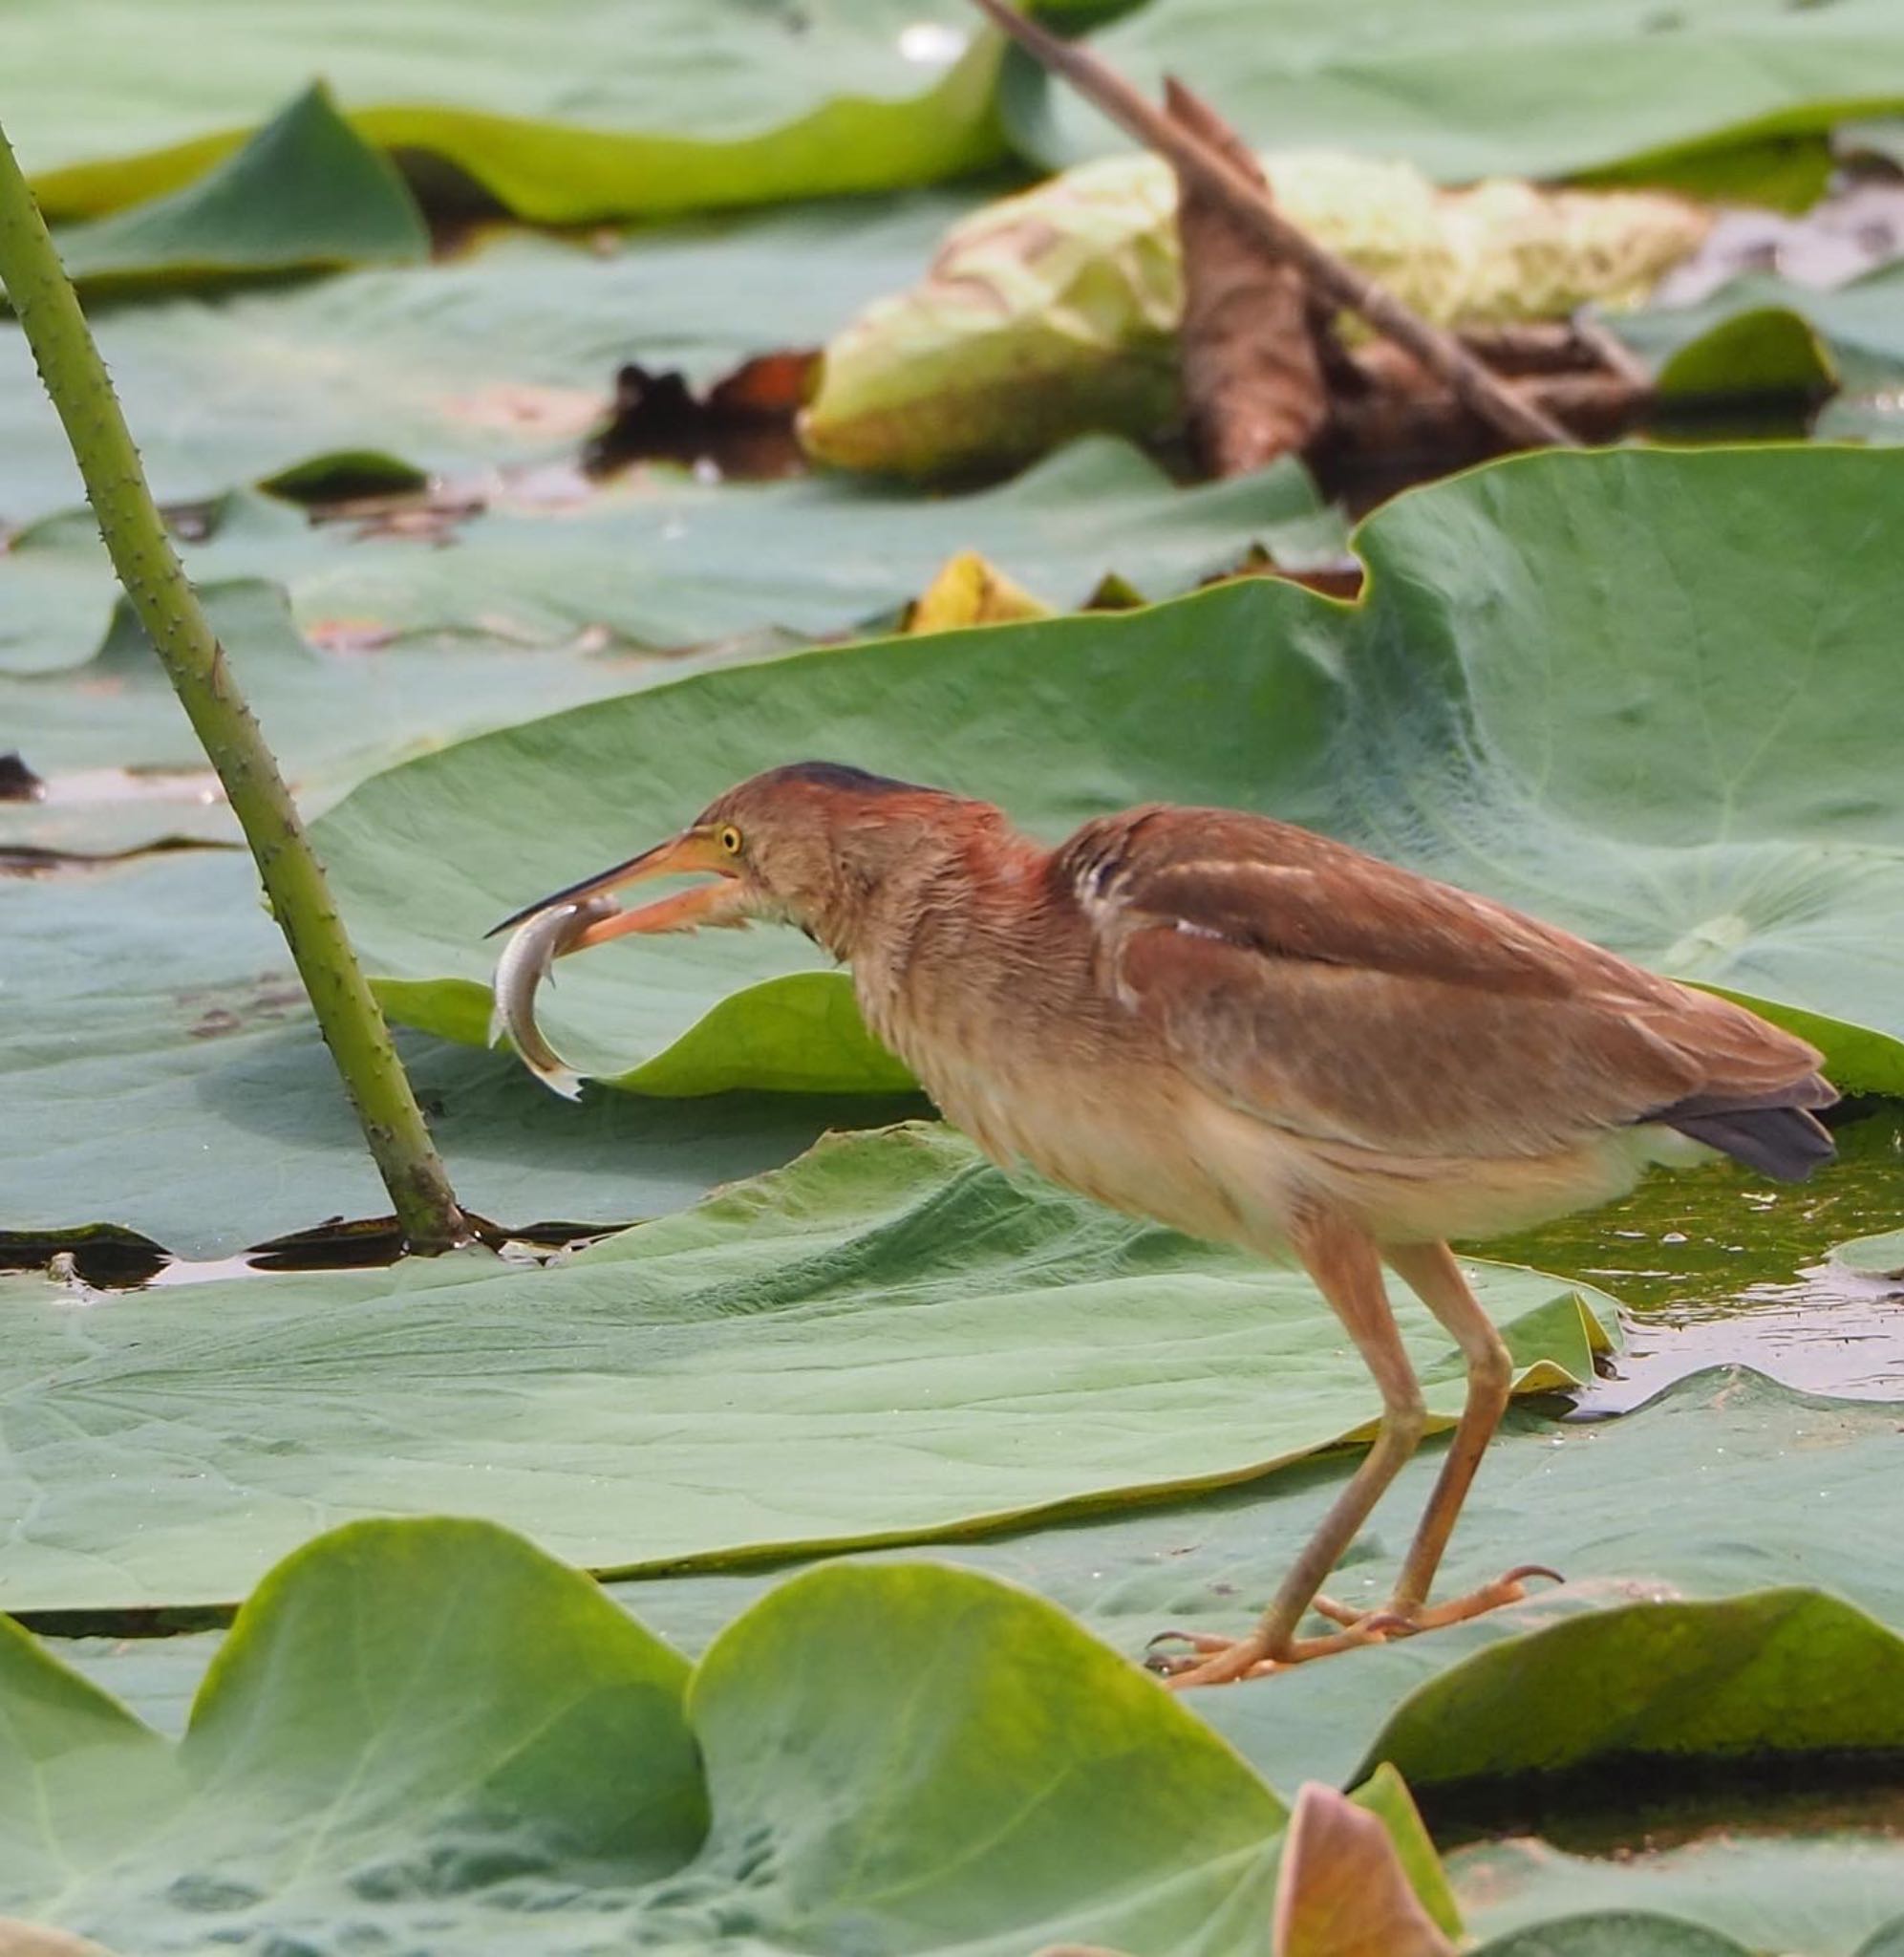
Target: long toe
1337,1612
1400,1619
1209,1660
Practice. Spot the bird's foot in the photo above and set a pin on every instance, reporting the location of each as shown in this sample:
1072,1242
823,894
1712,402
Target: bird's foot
1400,1619
1211,1660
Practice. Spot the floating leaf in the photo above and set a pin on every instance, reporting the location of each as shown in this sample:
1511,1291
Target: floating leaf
1615,1933
967,591
1880,1256
501,356
1557,689
940,1350
427,1733
1816,1477
1774,334
1385,1795
162,1072
304,192
1725,1895
1780,1671
727,104
663,562
1703,92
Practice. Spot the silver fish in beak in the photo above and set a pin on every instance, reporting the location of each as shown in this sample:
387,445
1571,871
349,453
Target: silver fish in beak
525,961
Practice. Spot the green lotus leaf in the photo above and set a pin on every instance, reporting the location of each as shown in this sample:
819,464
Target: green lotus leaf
940,1350
306,192
686,105
1679,762
1774,336
427,1732
503,357
164,1076
1731,101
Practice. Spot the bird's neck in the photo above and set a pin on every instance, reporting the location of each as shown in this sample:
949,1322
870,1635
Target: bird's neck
958,908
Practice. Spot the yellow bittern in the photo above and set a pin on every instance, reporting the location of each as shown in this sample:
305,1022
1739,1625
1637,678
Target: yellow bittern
1258,1034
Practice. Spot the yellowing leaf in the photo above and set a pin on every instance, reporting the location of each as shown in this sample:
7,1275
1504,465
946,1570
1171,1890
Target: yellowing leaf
968,590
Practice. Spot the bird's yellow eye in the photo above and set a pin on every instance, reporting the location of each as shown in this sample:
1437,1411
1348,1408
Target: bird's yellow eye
730,839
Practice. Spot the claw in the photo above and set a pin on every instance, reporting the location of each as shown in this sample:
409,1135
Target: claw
1165,1662
1510,1588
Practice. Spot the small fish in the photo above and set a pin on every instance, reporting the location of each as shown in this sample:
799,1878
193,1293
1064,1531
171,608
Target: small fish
531,949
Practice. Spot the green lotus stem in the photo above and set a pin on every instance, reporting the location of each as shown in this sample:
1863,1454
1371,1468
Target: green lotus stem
351,1022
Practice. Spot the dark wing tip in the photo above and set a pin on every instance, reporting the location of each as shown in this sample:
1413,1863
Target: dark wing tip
1784,1143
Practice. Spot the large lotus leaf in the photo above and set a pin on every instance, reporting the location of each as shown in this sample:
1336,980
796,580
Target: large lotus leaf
1629,692
1712,91
333,710
1816,1477
1819,1893
502,356
631,110
356,652
1677,1634
306,192
661,560
161,1071
427,1735
937,1347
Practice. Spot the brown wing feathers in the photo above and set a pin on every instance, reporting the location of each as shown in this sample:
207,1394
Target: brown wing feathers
1338,995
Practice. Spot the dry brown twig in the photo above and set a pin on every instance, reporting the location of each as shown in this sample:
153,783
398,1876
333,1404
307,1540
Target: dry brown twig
1331,278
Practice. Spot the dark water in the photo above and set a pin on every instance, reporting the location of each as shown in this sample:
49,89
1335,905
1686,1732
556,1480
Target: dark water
1716,1265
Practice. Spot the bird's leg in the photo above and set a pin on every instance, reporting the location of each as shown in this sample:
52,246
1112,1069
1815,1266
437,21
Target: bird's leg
1430,1271
1347,1270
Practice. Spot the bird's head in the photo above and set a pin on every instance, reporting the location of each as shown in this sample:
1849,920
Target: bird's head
810,845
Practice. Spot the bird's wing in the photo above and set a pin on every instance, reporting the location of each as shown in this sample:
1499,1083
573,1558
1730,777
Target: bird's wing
1343,998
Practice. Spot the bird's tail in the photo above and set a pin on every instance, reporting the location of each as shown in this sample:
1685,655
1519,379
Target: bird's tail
1787,1143
1777,1134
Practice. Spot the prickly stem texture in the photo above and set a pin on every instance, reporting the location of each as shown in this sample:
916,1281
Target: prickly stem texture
352,1021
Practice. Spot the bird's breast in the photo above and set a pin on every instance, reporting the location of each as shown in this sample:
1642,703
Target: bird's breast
1123,1130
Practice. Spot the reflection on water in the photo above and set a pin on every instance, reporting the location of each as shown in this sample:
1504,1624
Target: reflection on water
1718,1266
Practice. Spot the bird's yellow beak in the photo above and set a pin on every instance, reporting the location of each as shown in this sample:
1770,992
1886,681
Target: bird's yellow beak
693,853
